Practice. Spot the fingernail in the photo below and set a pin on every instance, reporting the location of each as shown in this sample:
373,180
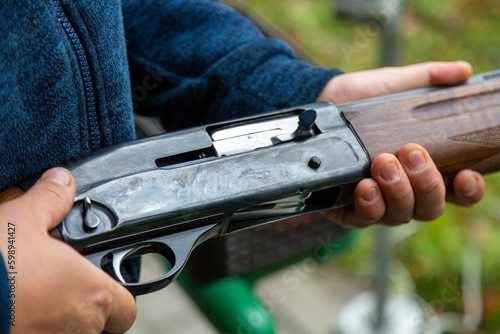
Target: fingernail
470,186
369,195
390,172
56,175
415,160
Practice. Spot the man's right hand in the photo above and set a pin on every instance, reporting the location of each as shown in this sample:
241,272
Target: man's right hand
58,290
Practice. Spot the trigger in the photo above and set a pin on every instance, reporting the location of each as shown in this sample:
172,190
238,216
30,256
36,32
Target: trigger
116,261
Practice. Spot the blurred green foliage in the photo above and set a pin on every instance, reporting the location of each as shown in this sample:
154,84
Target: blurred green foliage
429,30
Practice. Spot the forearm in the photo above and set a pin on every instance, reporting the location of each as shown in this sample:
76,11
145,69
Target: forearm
214,63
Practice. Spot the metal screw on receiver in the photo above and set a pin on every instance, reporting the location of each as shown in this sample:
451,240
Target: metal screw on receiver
314,162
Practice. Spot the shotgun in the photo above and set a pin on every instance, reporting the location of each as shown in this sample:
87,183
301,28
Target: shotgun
167,194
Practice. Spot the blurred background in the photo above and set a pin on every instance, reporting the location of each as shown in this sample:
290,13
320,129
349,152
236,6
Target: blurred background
449,268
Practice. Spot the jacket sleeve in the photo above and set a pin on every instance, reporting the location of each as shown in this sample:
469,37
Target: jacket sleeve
4,299
198,61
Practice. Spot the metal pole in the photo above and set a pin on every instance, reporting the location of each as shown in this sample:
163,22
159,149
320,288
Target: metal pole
389,57
381,253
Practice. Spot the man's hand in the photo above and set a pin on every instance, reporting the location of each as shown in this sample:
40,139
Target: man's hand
407,186
58,290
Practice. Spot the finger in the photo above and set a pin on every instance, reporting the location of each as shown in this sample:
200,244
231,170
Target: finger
51,198
427,182
369,205
449,73
400,79
123,310
365,84
466,189
101,303
425,75
387,171
368,208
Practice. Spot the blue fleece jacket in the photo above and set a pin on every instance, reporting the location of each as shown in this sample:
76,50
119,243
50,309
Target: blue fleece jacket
72,71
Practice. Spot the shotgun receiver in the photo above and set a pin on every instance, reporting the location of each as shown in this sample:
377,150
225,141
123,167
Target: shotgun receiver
167,194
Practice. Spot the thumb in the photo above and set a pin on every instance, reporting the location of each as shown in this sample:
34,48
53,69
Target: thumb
51,198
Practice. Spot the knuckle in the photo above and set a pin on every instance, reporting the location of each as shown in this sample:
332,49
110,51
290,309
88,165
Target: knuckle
369,90
369,218
365,216
50,193
432,213
93,312
396,221
360,224
429,187
58,199
407,219
102,301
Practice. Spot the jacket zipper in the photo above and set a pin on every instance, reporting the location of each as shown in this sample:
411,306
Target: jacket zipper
95,137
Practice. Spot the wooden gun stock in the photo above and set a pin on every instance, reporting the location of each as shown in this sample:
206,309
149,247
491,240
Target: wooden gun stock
10,193
458,125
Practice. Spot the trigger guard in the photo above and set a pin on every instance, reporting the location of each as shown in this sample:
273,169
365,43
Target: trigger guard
176,248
